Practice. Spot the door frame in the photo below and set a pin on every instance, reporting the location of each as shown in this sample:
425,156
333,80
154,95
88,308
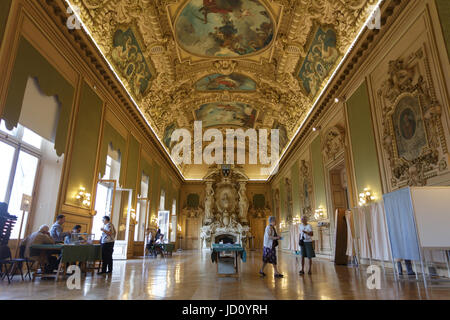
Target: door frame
125,242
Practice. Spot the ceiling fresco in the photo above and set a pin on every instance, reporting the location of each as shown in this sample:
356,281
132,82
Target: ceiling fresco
224,28
247,63
221,82
130,62
226,114
319,62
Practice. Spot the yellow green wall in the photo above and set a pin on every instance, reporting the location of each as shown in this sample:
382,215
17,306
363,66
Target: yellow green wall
156,189
133,154
367,172
443,7
30,63
295,178
5,5
84,152
320,198
283,194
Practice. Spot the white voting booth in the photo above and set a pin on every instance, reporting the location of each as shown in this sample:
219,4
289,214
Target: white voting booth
418,219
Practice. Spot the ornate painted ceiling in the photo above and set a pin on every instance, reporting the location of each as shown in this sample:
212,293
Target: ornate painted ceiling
231,63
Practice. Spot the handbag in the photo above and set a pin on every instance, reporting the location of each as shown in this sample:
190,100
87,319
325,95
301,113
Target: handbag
301,242
274,242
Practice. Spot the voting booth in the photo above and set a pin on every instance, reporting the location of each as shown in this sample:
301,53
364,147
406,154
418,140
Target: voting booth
418,219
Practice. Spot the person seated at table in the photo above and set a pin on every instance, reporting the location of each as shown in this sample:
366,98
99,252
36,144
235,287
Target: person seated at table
56,231
42,236
159,245
75,230
150,242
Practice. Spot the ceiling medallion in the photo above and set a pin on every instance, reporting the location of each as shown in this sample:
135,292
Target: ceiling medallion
225,67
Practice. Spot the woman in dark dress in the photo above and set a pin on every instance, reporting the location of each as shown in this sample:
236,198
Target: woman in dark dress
270,252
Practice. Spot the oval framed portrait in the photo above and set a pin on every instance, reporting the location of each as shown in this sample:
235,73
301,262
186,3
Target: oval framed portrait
407,124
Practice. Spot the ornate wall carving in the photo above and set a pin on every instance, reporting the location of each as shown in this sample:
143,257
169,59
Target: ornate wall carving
333,143
413,135
306,187
226,205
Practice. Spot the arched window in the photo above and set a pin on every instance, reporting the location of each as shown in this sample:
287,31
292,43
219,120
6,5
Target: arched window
162,200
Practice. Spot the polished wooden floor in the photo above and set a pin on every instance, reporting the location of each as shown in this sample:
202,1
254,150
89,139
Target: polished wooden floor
191,275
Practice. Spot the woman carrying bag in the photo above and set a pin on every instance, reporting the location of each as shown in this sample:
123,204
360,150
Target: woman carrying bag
306,245
270,252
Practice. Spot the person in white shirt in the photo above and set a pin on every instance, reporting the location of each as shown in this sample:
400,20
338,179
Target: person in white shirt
107,242
306,244
159,246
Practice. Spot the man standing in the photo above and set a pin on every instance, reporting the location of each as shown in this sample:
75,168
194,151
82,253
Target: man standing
107,242
57,229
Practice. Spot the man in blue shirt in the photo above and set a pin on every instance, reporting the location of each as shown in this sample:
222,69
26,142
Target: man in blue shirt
56,232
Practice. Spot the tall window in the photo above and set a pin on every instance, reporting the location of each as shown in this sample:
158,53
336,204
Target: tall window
142,207
173,222
162,201
20,151
106,190
163,216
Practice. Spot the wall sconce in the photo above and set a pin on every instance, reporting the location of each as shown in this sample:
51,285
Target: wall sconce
179,228
83,197
153,220
133,215
365,197
296,220
282,224
319,213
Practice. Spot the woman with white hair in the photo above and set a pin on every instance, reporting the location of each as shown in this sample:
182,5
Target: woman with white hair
305,243
270,252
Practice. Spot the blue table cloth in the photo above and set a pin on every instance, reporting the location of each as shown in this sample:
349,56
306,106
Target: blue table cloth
217,247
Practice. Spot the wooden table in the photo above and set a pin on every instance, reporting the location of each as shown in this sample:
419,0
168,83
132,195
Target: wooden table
228,265
69,254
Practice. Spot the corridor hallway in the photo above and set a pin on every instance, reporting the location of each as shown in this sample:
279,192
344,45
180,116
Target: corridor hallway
191,275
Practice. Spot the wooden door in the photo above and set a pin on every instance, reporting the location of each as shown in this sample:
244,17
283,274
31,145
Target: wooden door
192,234
257,226
340,253
339,199
337,191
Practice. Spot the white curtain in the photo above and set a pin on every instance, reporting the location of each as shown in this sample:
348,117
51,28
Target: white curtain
350,234
293,237
361,232
379,233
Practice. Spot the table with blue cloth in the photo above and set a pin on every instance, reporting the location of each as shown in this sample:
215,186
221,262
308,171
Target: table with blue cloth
69,254
226,256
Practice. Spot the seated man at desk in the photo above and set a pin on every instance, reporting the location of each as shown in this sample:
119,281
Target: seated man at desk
42,236
76,230
56,231
159,245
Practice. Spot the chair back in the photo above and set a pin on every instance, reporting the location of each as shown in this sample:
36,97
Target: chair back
5,253
22,251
